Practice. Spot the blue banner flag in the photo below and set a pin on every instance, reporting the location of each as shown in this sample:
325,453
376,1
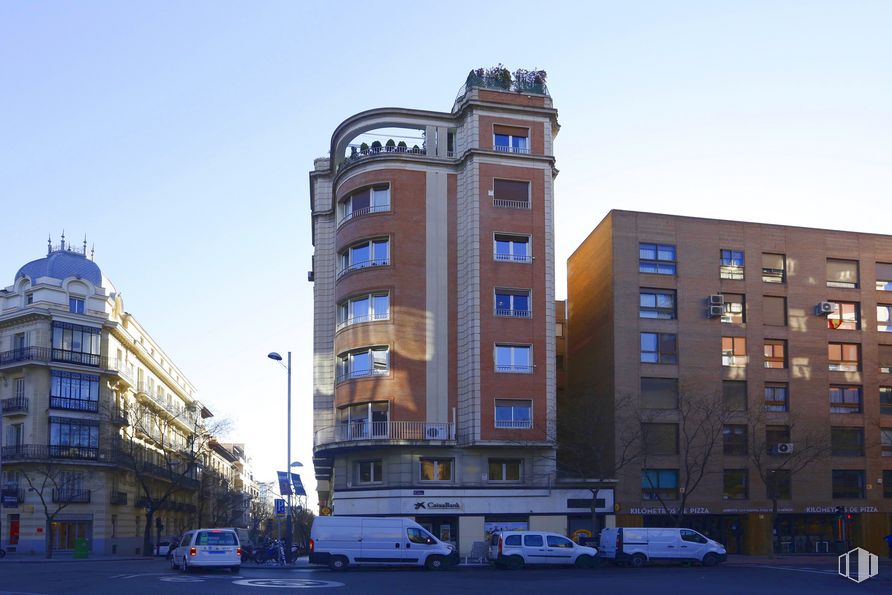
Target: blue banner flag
298,485
284,486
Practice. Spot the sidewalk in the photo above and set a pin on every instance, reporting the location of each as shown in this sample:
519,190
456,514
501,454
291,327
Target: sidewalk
804,560
67,557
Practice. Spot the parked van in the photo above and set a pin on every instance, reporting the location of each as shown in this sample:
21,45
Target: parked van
208,548
637,546
515,549
341,541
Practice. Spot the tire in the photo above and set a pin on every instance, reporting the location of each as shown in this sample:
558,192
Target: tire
435,563
338,563
173,564
710,560
186,568
585,562
638,561
514,563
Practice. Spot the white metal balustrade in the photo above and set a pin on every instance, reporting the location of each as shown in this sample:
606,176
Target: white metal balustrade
385,430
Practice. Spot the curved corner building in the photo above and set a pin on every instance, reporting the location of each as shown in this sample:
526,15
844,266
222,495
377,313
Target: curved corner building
434,334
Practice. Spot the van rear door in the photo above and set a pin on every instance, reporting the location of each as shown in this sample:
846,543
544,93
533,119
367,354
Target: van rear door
382,541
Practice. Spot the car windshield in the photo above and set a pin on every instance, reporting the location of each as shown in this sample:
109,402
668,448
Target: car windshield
216,538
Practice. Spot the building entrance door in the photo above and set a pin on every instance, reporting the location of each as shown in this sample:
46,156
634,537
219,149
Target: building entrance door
444,528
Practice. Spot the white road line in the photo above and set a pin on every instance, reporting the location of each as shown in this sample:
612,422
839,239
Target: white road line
811,570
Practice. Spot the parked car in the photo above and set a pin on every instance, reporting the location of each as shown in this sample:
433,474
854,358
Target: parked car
342,541
163,548
208,548
516,549
173,546
637,546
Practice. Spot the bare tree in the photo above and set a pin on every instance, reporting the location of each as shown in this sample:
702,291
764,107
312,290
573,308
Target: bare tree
56,486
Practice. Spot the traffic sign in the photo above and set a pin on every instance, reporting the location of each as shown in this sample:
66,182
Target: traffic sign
280,507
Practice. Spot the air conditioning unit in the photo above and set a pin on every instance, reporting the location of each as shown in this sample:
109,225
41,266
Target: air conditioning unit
713,311
437,432
824,308
716,299
784,448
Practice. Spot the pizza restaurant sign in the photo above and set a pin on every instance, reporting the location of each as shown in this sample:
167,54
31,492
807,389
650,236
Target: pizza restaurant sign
669,510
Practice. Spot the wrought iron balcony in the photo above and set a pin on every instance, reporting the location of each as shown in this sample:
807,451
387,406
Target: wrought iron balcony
118,498
71,496
120,418
39,452
385,430
49,354
74,404
15,406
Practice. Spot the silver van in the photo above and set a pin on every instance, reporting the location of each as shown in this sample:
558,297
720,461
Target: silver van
341,541
636,546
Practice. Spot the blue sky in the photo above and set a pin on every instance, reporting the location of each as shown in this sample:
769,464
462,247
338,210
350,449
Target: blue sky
178,137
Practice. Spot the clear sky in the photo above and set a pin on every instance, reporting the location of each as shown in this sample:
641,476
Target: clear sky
177,136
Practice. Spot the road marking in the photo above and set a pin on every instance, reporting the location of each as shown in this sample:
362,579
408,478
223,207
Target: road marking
181,579
811,570
287,583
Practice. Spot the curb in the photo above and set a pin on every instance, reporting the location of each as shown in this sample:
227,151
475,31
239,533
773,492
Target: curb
40,560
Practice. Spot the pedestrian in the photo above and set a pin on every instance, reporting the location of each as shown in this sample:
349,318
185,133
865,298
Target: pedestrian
888,539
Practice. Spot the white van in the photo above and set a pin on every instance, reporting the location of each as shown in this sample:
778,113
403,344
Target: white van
637,546
204,548
339,541
515,549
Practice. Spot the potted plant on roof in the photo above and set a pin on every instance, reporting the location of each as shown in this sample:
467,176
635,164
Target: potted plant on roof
401,146
498,77
364,149
376,147
390,145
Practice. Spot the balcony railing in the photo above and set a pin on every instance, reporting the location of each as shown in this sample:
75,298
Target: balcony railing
118,498
358,152
120,418
514,424
514,369
507,149
365,264
386,430
31,452
48,354
504,203
514,258
74,404
511,313
15,405
71,496
360,212
355,374
361,319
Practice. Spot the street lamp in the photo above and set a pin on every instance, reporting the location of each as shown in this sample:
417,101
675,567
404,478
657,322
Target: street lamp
288,523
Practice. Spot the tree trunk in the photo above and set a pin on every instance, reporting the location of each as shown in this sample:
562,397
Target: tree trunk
772,518
49,538
147,534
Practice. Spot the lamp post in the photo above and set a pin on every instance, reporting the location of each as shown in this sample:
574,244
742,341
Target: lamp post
289,527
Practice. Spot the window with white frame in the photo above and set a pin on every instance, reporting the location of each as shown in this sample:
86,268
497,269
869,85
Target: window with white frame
369,253
369,471
512,248
361,363
514,303
514,414
364,420
514,359
365,201
76,305
436,469
364,308
511,194
505,469
510,139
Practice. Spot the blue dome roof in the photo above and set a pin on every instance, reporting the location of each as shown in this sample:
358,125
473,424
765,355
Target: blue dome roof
61,265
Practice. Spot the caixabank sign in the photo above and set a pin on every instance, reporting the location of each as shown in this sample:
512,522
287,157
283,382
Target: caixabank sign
858,565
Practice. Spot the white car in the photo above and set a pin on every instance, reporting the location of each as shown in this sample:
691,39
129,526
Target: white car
208,548
515,549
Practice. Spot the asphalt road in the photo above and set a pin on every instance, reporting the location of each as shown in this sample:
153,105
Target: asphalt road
152,577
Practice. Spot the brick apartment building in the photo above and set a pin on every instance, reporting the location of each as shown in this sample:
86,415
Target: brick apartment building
800,329
434,342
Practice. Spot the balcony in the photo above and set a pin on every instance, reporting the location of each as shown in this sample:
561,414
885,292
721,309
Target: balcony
42,452
512,149
118,498
514,369
70,496
504,203
514,424
119,368
24,355
120,418
355,431
15,406
512,313
365,264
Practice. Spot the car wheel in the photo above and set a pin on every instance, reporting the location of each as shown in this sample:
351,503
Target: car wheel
585,562
514,562
173,564
435,563
338,563
710,560
638,561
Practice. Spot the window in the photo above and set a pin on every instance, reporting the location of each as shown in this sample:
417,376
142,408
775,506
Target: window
364,308
70,390
777,397
656,258
886,400
658,348
887,483
734,440
774,310
775,435
558,541
734,308
76,305
436,469
659,393
659,484
510,139
731,264
533,541
773,268
19,390
513,303
847,442
363,420
511,194
365,201
884,318
848,483
779,484
736,484
505,469
509,248
884,277
843,357
74,438
845,399
734,351
657,303
775,352
659,438
371,253
734,395
886,441
842,273
514,415
417,535
845,316
76,344
368,472
370,361
515,359
885,358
